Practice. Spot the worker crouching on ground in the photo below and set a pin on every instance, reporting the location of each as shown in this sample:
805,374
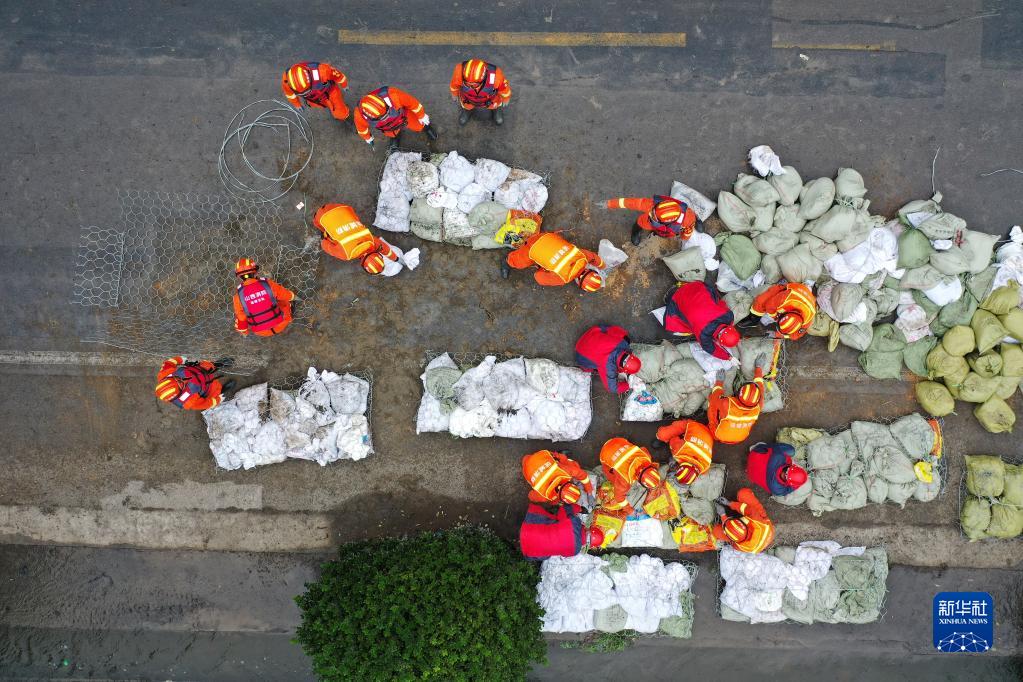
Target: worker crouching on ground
731,418
346,238
695,309
476,84
557,262
545,533
261,305
792,306
692,447
605,349
625,464
663,216
391,110
192,384
770,466
319,85
744,523
555,478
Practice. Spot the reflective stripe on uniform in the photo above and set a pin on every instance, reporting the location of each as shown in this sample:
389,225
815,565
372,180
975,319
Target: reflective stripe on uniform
554,254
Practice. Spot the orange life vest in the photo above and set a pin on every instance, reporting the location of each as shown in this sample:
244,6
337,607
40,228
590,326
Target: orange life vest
554,253
621,457
340,224
757,537
695,447
797,299
486,92
737,421
544,474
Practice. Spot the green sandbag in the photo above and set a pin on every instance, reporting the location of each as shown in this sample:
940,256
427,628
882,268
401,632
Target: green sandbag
958,312
687,265
958,341
821,325
953,261
1012,490
942,226
610,619
1003,299
954,381
980,284
924,277
764,218
741,255
734,213
1006,521
769,266
755,191
788,185
886,300
934,398
887,338
995,415
787,218
975,517
941,363
834,225
819,249
799,265
985,475
976,389
979,248
739,302
1013,323
914,248
856,336
1012,360
775,242
655,359
1007,387
931,309
987,364
988,330
919,206
844,299
849,184
816,197
882,364
914,355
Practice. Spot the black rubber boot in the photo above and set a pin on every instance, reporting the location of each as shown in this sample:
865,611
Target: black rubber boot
223,362
505,269
637,234
430,132
464,117
657,444
229,385
497,115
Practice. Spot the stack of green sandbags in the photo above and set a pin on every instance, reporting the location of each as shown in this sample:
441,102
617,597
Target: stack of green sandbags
993,506
974,363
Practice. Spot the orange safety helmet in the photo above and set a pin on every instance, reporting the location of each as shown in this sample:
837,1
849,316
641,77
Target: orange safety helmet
168,389
373,262
790,323
727,336
686,474
590,281
569,493
667,211
245,267
629,363
750,394
373,106
300,79
473,71
596,538
792,475
650,477
736,529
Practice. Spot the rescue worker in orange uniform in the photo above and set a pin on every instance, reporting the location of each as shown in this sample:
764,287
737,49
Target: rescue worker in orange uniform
191,384
692,447
624,464
555,478
663,216
557,262
793,306
744,523
476,84
319,85
391,110
261,305
346,238
731,418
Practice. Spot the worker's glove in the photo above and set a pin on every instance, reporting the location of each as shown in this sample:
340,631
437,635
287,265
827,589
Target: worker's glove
722,500
567,453
720,376
600,205
762,362
720,509
372,143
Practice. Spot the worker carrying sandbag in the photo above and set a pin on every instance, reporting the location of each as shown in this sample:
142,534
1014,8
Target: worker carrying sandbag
695,309
692,447
346,238
319,85
731,418
744,523
557,262
793,306
624,464
476,84
391,110
545,533
261,305
663,216
605,349
192,384
555,478
770,466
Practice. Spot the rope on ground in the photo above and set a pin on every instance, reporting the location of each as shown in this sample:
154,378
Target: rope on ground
1002,170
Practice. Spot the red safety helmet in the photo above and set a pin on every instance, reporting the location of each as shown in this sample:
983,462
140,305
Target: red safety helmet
168,389
245,267
373,263
596,537
591,281
790,323
473,71
792,475
650,477
686,474
300,78
668,211
727,336
750,394
629,363
569,493
372,106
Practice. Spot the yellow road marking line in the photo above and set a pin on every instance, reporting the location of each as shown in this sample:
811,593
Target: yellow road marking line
883,46
540,39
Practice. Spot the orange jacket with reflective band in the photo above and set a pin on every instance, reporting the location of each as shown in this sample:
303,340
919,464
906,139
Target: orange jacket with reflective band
340,225
683,227
546,472
401,101
787,298
493,80
182,393
690,442
729,420
759,528
284,298
623,463
324,75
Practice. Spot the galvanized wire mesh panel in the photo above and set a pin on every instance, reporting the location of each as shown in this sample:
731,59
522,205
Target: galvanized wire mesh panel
963,494
293,382
98,267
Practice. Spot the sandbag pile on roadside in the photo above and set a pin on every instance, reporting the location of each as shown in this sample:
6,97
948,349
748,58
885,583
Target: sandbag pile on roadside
447,198
866,463
993,504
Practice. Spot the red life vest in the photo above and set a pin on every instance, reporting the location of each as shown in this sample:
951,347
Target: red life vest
695,308
486,92
544,534
394,118
319,91
261,309
191,380
599,350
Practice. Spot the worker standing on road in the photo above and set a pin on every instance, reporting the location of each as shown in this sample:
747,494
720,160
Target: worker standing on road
624,464
770,466
744,523
731,418
605,350
546,533
191,384
663,216
793,306
346,238
319,85
476,84
555,478
557,262
695,309
391,110
261,305
692,447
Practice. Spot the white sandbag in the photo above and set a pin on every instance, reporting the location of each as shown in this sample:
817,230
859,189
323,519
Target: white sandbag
456,172
395,175
755,191
472,196
509,194
392,213
879,252
947,290
816,197
641,405
701,205
490,173
534,196
979,248
442,198
708,249
423,178
727,280
456,225
942,226
788,185
610,254
849,184
765,162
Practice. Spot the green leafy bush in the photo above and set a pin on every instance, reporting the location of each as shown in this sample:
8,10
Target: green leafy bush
449,605
604,642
